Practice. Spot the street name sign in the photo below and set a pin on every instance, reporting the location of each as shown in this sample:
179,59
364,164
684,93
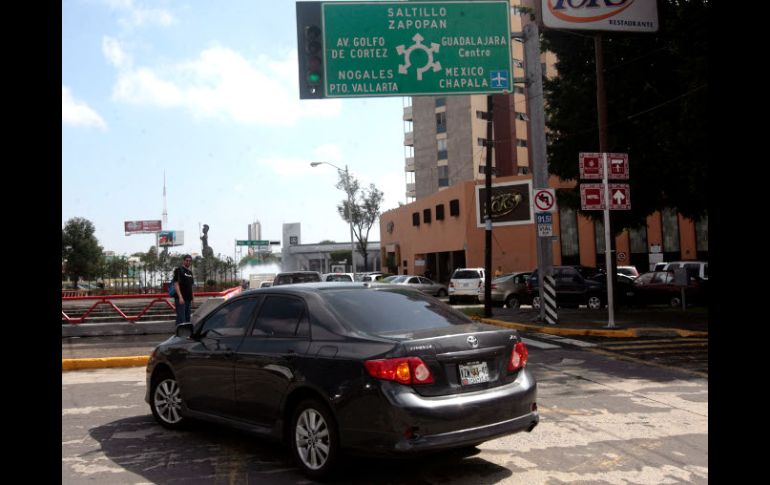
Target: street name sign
544,224
416,48
252,242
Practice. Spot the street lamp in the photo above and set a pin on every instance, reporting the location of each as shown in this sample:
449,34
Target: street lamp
350,206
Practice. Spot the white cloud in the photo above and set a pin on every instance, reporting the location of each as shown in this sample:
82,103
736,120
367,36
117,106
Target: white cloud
136,16
115,53
75,112
222,84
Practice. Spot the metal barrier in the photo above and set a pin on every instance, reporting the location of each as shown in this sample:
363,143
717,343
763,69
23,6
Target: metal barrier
162,298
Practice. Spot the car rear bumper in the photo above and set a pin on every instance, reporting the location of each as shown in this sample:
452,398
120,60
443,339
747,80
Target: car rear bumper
401,421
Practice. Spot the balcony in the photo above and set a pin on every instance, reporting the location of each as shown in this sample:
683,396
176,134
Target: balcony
408,113
409,138
409,166
410,191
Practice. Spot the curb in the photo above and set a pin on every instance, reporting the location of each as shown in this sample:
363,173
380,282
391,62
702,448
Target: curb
103,362
595,332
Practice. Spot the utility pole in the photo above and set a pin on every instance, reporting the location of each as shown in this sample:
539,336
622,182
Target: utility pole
535,103
488,214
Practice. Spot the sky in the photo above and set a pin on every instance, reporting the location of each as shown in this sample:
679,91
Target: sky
207,94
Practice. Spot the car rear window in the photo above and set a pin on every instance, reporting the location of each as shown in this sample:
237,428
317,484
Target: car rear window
388,312
466,274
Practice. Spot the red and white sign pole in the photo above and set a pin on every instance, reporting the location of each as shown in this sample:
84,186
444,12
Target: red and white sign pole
607,245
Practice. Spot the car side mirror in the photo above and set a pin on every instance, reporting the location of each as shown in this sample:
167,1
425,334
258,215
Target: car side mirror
184,330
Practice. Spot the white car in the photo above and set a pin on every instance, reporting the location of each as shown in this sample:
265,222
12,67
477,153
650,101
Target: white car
465,283
345,277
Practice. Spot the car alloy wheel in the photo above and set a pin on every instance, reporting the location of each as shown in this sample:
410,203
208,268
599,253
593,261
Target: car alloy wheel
675,302
594,303
314,437
512,302
536,303
441,293
167,402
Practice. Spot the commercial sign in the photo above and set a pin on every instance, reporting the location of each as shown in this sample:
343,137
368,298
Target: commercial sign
170,238
510,204
416,48
608,15
141,227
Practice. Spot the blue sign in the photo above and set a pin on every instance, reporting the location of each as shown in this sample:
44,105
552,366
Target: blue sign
499,79
544,218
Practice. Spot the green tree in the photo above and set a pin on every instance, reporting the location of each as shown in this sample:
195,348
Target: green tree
656,87
361,208
80,250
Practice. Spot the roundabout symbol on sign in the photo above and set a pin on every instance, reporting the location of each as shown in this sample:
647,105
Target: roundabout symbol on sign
544,200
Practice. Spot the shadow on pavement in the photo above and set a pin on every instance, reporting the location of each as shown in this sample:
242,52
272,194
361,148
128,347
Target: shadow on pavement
207,453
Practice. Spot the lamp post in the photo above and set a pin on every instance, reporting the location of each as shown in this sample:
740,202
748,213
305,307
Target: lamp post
350,205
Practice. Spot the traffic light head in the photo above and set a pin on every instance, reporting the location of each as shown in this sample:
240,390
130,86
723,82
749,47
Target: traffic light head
310,50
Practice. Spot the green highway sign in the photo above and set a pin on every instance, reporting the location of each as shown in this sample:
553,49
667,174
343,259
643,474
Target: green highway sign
252,242
416,48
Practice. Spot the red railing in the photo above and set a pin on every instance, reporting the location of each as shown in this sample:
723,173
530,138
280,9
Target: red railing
161,298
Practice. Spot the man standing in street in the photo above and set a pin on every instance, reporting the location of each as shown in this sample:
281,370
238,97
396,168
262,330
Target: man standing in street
183,280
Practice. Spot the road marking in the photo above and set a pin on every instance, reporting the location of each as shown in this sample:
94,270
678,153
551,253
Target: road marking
539,345
565,340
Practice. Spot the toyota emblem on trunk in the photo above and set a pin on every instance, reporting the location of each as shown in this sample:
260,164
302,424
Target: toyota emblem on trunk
473,341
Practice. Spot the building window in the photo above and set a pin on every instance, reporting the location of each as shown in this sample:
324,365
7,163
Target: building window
440,211
521,143
570,250
416,219
442,151
518,90
441,122
481,115
454,207
518,63
522,116
443,181
440,102
426,216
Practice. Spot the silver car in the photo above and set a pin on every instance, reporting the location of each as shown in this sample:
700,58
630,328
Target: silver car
509,290
420,283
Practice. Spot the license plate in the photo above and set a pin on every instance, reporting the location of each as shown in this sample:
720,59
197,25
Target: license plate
474,373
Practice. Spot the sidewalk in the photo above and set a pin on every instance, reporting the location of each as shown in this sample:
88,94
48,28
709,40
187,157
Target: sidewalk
101,346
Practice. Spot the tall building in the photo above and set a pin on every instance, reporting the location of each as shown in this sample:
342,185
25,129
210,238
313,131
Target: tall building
444,135
255,231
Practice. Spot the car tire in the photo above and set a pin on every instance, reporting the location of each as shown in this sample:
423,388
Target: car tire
536,302
441,293
512,302
314,439
166,401
594,302
452,300
675,302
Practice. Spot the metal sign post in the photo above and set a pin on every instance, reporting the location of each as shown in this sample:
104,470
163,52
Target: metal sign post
607,252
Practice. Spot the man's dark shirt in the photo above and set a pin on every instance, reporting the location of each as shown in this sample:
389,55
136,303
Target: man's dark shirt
185,278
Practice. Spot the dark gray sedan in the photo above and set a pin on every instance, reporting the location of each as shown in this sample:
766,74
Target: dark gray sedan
420,283
328,367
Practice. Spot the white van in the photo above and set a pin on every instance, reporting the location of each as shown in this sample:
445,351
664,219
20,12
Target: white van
694,268
465,283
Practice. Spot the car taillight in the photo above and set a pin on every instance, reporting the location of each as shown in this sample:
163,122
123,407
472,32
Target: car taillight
404,370
519,357
493,286
451,285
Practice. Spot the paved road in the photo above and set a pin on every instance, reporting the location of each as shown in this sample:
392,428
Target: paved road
603,420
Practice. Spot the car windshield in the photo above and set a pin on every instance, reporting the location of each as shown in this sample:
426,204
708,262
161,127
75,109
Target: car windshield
391,312
466,274
398,279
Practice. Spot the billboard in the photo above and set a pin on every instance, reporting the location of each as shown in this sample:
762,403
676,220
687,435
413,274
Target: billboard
170,238
511,203
616,15
141,227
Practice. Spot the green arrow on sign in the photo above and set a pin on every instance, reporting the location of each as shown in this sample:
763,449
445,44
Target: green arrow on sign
416,48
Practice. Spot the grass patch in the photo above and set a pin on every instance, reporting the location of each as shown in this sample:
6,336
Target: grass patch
473,312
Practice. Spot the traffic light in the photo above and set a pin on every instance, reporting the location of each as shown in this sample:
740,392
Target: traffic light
314,62
310,50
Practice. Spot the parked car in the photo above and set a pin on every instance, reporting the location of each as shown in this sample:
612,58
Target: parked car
421,283
349,367
346,277
659,287
465,283
628,271
699,269
509,290
373,276
575,286
292,277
